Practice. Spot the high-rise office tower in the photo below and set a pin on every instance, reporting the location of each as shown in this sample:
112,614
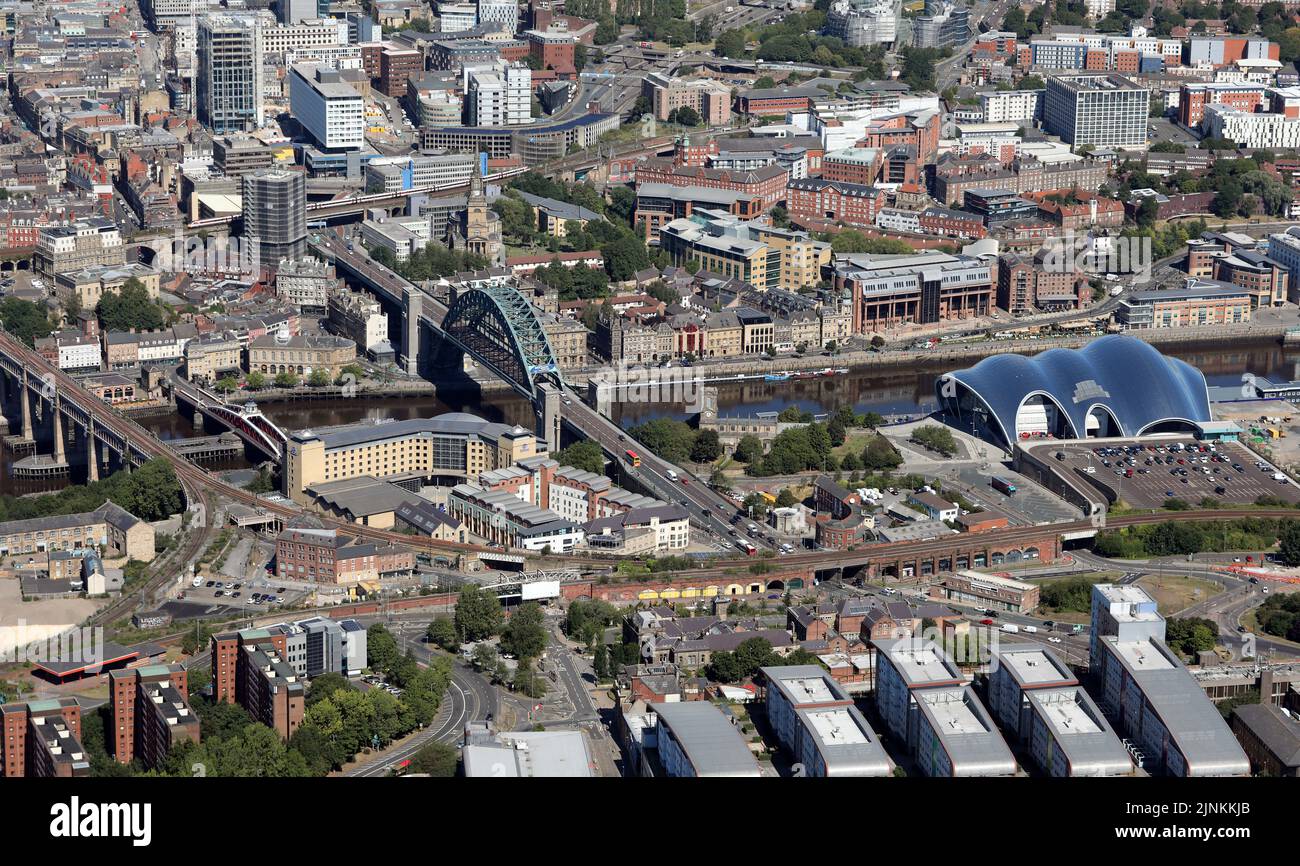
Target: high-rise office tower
503,12
275,214
229,79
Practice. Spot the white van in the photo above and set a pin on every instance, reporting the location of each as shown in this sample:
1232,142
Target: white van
1031,629
1010,627
672,474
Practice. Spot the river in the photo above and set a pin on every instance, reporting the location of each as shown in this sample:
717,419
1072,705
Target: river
891,391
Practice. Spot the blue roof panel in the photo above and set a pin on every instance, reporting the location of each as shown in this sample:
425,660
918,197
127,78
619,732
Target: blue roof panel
1138,385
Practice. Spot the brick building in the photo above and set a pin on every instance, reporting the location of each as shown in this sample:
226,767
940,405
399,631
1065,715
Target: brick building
250,668
817,199
42,739
151,713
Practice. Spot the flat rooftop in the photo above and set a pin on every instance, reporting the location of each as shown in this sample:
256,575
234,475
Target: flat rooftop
845,741
537,754
836,727
963,726
1195,726
1032,665
1128,603
1081,732
804,684
920,663
1143,656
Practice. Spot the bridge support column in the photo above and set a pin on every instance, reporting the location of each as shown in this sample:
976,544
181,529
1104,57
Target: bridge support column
25,399
60,455
4,400
92,454
412,307
548,416
198,420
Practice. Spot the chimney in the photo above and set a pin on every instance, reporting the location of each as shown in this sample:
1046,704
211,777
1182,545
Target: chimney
1266,686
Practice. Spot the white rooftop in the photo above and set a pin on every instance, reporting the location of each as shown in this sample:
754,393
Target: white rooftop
1032,667
1066,715
1128,603
1142,656
952,713
809,690
836,727
920,663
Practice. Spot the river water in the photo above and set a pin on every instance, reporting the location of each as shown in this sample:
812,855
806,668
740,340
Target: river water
892,391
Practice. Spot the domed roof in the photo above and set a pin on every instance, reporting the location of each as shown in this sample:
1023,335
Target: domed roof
1139,386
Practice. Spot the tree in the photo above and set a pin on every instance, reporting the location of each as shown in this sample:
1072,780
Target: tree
748,657
669,438
785,498
25,320
381,648
436,759
625,256
1190,635
749,449
706,447
256,381
835,429
227,384
880,454
478,614
319,378
1289,544
935,438
286,379
586,455
527,681
325,685
730,43
524,635
130,307
442,631
685,115
221,720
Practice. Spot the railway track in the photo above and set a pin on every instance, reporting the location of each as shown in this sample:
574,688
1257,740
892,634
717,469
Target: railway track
198,483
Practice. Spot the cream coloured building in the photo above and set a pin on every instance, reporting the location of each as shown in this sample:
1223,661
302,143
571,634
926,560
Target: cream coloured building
90,284
454,445
273,353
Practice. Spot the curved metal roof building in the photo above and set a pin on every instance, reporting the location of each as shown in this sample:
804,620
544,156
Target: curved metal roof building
1114,386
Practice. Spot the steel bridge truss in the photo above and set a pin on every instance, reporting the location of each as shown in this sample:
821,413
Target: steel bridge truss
499,328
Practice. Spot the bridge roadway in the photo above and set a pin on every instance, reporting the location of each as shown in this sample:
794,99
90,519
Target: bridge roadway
355,204
144,444
195,478
706,507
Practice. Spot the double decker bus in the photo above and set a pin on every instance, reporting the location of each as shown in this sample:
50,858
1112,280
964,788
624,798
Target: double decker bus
633,458
1002,485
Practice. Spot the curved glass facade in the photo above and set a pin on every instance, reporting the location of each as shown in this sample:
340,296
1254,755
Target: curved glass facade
1125,383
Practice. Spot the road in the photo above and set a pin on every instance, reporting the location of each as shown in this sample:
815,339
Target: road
469,698
706,506
1224,609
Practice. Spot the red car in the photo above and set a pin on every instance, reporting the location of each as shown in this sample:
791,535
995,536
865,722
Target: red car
986,622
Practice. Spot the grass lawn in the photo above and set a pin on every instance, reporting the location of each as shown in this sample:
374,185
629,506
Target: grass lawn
1251,622
1174,592
1074,616
855,440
